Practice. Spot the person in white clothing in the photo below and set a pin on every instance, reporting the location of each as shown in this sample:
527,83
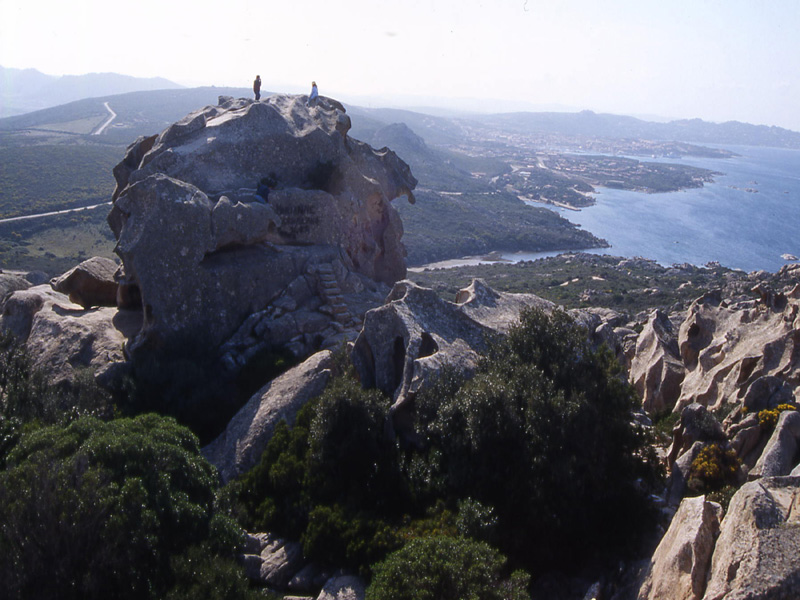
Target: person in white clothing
312,97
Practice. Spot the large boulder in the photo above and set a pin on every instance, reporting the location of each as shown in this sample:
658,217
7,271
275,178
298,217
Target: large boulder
331,189
202,245
756,553
240,446
90,283
62,336
678,568
409,339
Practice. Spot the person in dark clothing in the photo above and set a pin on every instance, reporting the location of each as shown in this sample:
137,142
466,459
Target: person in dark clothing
265,185
257,87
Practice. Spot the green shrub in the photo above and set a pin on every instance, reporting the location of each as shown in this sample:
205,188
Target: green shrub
441,568
332,480
542,436
97,510
200,573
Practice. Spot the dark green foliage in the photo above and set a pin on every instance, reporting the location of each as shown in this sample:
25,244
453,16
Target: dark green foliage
442,568
184,379
331,480
542,436
28,400
97,510
199,573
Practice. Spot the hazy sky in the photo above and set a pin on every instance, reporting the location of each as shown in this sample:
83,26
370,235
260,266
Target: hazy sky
714,59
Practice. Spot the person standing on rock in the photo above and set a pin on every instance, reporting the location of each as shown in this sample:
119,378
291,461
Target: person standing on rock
257,87
312,98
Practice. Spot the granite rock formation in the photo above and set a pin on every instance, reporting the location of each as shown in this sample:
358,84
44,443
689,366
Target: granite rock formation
725,352
205,248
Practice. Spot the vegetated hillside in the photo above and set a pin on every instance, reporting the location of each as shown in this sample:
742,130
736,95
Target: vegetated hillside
43,178
137,113
588,123
56,244
442,226
583,280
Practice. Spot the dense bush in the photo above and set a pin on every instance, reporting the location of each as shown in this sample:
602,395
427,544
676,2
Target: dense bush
332,480
542,436
443,568
98,509
535,455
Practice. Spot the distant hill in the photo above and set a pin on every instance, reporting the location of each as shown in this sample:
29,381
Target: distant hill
27,90
588,123
137,113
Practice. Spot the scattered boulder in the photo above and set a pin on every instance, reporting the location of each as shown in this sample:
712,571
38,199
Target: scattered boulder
679,565
756,552
240,446
90,283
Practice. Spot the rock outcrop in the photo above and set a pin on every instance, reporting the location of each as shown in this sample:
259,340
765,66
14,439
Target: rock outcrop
678,568
656,370
756,553
754,556
240,446
734,351
91,283
206,249
727,352
62,336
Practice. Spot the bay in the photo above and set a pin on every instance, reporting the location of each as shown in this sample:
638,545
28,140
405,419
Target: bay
747,219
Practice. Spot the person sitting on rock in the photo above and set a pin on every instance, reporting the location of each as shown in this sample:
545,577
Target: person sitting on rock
312,98
257,87
264,186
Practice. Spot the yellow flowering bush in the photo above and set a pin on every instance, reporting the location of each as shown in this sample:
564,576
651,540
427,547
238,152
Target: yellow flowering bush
768,417
713,468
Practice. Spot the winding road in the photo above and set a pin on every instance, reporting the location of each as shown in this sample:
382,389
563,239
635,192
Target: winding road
112,116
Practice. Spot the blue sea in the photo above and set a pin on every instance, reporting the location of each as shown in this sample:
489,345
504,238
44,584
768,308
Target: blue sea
748,230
